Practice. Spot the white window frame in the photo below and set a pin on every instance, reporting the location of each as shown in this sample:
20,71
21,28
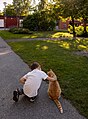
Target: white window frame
1,22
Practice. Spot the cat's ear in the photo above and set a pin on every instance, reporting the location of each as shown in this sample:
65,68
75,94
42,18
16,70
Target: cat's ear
50,69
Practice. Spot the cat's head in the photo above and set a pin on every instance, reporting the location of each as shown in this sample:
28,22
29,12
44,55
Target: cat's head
51,73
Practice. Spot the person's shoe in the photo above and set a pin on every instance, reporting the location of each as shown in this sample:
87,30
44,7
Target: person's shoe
32,99
15,96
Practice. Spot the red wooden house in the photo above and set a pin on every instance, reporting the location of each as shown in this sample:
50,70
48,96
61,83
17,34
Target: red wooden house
65,24
10,21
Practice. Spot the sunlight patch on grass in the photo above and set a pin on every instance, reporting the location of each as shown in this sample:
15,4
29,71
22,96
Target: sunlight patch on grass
34,36
25,37
29,36
65,45
38,47
53,41
44,47
78,44
56,35
82,47
48,41
78,40
41,47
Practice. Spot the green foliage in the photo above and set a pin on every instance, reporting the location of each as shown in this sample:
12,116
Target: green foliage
79,31
39,21
1,13
68,8
21,7
74,9
42,4
20,31
31,22
10,10
83,8
70,29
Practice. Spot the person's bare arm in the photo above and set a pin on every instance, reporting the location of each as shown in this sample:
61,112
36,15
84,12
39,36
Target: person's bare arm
22,80
51,78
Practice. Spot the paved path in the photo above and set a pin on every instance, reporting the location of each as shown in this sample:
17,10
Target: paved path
29,39
12,68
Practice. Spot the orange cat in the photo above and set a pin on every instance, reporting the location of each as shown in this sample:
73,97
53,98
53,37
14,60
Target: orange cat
54,90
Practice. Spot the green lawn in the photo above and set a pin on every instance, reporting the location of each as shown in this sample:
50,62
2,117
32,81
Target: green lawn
71,69
50,34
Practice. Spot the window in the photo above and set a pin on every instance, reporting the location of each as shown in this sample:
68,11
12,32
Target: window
1,22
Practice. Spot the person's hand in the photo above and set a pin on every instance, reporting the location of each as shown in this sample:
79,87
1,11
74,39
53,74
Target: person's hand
55,77
22,80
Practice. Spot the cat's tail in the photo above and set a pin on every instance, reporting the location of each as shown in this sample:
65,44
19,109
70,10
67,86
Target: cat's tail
58,105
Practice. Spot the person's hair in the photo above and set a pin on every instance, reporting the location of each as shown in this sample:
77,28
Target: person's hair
34,65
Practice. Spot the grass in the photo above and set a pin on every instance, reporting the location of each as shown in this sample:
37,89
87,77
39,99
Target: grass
49,34
71,69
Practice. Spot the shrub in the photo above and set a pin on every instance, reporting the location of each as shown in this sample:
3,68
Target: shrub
16,30
70,29
39,21
79,31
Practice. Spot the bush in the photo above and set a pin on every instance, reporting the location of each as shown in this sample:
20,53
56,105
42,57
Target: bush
79,31
16,30
39,21
70,29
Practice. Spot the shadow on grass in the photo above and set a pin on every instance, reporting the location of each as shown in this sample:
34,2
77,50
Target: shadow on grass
70,44
47,34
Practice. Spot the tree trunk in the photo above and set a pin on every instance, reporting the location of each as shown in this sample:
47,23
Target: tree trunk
84,24
73,25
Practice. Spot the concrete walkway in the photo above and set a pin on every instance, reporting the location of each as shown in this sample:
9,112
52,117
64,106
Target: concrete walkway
12,68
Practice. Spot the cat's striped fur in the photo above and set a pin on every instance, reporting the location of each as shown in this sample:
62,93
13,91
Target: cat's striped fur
54,90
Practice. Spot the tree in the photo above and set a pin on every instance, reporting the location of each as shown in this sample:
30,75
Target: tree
10,10
42,4
83,12
54,11
1,13
22,7
69,9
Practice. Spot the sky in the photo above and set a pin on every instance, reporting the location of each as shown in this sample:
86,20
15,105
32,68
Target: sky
8,2
2,5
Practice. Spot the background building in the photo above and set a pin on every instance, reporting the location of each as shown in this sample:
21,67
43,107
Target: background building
10,21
